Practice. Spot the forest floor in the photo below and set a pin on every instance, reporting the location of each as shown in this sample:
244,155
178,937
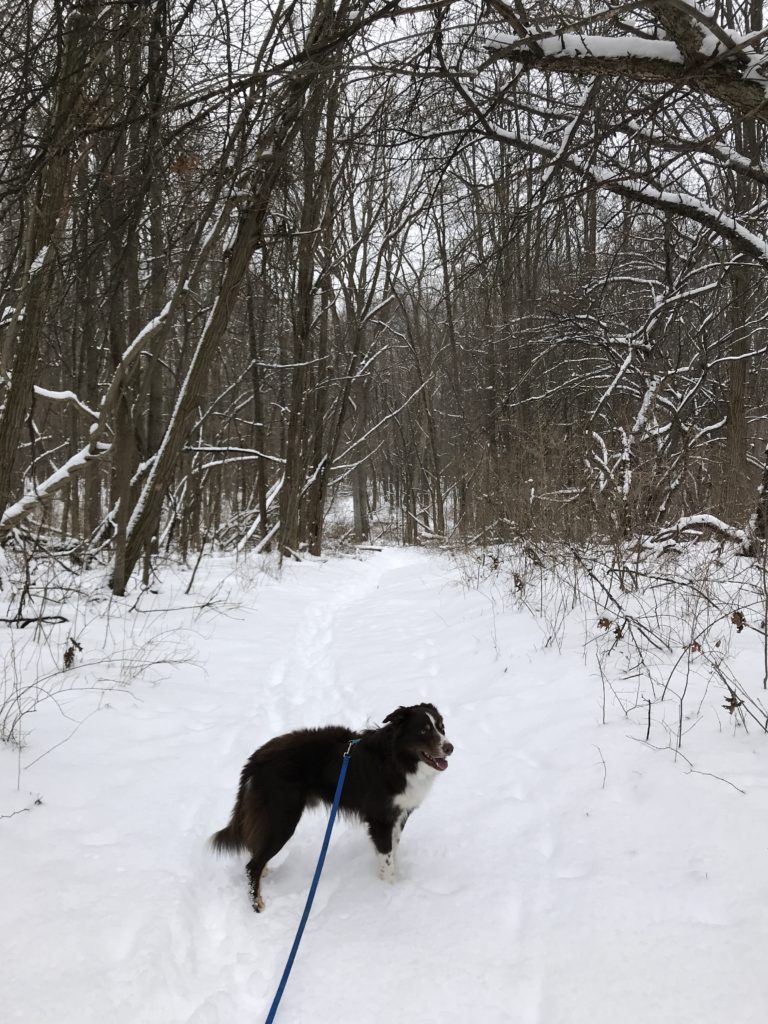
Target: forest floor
562,871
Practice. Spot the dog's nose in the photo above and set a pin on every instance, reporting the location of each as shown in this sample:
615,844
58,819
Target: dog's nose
447,748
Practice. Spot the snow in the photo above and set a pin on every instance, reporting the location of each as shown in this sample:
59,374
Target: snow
561,871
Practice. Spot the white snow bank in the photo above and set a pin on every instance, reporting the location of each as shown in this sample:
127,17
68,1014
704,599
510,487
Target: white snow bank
559,873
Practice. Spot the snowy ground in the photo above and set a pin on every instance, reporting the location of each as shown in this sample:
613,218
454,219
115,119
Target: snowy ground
561,871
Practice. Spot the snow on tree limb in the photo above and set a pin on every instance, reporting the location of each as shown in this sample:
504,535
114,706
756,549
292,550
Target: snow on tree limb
42,494
65,396
697,53
721,223
703,521
272,496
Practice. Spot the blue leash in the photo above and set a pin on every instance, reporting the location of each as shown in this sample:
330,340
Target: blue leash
313,887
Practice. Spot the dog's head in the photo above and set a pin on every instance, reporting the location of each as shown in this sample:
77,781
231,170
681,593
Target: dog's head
420,730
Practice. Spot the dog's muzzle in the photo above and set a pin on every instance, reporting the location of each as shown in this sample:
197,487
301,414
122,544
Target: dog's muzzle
438,763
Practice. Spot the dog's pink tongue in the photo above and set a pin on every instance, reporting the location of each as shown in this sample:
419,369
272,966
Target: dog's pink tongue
441,763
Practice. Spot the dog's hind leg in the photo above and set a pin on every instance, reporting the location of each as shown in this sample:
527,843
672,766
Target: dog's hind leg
279,830
254,882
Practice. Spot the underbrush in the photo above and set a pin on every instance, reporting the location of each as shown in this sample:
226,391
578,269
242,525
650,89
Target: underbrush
677,638
62,635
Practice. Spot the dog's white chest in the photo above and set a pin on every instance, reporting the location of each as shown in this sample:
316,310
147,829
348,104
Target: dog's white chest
418,785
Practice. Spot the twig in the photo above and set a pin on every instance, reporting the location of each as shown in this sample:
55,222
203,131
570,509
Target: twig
23,621
22,810
691,769
605,766
65,740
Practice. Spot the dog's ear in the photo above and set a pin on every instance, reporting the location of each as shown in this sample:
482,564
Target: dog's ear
397,717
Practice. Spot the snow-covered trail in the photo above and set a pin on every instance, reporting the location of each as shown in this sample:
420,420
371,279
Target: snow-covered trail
559,872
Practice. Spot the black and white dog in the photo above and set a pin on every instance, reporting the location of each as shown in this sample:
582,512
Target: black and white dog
390,772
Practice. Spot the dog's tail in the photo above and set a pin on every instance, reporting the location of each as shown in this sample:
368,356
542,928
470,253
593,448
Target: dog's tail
227,840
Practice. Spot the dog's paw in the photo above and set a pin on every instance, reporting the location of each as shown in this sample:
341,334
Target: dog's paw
387,868
258,905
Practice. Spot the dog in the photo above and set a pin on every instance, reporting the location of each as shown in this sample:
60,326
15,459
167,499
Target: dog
391,770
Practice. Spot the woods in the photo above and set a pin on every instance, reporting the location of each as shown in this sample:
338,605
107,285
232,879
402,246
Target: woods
486,271
366,355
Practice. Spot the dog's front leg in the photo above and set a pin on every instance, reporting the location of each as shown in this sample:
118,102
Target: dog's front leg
383,835
387,864
397,831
